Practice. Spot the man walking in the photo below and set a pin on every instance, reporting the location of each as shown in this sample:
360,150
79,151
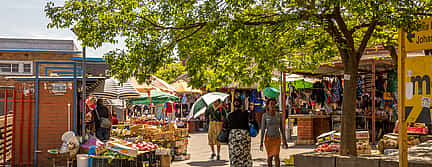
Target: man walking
215,113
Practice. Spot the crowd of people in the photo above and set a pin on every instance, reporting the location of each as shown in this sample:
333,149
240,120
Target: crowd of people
239,124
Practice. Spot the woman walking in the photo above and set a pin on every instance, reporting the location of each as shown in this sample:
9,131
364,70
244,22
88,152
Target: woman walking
239,139
215,114
102,126
271,128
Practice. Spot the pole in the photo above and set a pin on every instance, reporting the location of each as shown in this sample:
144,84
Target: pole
5,124
284,115
373,102
232,100
84,76
13,124
22,127
403,137
69,105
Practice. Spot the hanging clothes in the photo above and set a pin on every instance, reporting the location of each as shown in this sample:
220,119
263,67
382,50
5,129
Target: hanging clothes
392,82
336,90
379,84
359,88
318,92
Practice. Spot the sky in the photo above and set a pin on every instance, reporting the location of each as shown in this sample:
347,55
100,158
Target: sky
27,19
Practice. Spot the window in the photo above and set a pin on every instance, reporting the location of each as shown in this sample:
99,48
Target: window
16,68
27,68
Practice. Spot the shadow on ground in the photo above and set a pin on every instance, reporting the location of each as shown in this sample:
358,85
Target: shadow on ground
303,146
260,160
209,163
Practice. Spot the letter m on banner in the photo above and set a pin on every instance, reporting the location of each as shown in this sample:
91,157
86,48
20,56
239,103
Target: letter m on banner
418,89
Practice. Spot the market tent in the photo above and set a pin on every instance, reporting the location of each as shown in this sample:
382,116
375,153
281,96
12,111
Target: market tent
298,81
156,83
143,87
301,84
162,85
182,86
156,96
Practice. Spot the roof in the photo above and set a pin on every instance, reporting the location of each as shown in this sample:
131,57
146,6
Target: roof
37,45
30,78
87,59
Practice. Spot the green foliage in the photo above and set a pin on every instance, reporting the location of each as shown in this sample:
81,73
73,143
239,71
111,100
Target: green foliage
171,71
231,41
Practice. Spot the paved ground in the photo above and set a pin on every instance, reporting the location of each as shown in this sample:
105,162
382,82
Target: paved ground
200,153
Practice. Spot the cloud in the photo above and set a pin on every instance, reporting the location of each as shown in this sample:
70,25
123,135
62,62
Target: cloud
26,19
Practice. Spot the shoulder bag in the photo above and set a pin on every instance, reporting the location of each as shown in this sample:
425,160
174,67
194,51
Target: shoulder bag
105,122
224,133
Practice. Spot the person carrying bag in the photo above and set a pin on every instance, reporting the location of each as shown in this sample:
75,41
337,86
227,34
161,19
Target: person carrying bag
103,123
215,114
239,138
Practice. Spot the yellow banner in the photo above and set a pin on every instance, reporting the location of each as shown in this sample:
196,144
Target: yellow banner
418,89
421,39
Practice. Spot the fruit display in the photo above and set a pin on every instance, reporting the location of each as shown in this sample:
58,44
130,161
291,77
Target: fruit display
363,147
328,148
145,146
390,141
120,132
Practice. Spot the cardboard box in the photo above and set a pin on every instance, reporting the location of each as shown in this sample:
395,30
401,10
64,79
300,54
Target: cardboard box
165,161
122,149
325,137
416,130
362,134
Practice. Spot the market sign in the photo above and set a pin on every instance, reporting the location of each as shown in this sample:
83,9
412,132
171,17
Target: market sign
420,39
418,89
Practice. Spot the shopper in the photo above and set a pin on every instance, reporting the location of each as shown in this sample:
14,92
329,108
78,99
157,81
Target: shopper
102,116
160,112
114,119
239,140
271,128
171,111
215,113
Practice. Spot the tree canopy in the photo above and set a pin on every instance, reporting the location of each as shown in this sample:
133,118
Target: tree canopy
238,41
170,72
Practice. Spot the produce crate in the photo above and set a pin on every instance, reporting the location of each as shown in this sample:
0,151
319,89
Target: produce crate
147,159
180,150
104,162
182,157
417,130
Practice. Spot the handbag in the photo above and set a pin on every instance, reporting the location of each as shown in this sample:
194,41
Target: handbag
252,131
224,133
105,122
253,127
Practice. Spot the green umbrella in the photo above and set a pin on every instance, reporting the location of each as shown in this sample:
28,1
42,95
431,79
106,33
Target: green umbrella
156,96
198,108
271,92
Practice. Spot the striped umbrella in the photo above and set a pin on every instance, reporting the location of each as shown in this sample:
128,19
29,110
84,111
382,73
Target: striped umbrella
113,90
110,91
128,91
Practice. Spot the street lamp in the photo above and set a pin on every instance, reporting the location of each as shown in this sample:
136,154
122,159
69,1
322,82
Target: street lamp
84,76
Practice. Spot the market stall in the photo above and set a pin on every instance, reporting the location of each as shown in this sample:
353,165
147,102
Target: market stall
322,95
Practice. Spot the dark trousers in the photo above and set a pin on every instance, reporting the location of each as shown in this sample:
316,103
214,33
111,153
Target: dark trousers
102,134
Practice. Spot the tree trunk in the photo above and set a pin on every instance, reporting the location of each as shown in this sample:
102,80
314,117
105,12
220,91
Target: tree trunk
348,144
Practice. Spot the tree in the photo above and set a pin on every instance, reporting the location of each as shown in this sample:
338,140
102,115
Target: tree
235,41
171,71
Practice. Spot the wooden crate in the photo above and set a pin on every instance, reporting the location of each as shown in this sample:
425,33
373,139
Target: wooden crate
8,144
